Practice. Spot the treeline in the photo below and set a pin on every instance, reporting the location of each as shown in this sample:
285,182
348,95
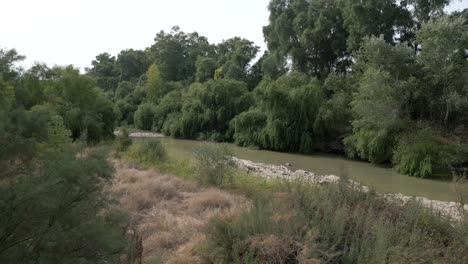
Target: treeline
384,81
52,201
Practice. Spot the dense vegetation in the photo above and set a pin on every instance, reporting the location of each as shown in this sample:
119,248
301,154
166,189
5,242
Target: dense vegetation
342,76
295,222
52,203
384,81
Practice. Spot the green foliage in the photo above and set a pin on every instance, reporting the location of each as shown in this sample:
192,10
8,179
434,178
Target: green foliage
208,108
206,68
125,108
417,153
144,116
214,164
53,206
55,211
176,53
132,64
148,152
248,128
155,88
332,224
170,104
58,134
105,71
291,105
124,89
8,58
377,120
338,76
234,56
444,60
7,95
123,140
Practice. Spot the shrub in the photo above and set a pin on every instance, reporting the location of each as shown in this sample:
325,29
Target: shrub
149,151
334,224
123,140
417,153
144,116
248,128
214,164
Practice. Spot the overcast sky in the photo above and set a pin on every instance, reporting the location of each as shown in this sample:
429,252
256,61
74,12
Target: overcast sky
66,32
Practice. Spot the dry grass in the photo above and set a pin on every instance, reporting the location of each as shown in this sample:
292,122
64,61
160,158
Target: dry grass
168,213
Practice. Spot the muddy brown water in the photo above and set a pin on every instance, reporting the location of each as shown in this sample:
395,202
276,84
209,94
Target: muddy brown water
382,179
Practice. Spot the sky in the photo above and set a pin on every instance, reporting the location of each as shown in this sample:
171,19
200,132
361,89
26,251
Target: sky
63,32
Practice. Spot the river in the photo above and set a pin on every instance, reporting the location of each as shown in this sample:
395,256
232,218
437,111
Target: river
383,180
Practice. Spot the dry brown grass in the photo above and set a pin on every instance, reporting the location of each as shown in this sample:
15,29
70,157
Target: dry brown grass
170,214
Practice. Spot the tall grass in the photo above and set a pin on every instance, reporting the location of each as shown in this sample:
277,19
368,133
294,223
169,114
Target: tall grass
213,164
148,152
334,224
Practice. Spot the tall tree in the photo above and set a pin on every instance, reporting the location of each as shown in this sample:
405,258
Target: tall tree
132,64
105,71
176,53
445,59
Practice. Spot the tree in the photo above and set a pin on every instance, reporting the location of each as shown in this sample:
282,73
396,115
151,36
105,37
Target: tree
206,68
377,117
144,116
208,108
310,34
105,71
291,104
386,18
7,60
53,206
176,53
317,37
132,64
444,59
155,87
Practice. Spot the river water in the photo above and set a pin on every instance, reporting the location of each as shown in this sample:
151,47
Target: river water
383,180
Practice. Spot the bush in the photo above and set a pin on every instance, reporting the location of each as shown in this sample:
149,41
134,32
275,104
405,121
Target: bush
144,116
419,152
148,152
248,128
214,164
123,140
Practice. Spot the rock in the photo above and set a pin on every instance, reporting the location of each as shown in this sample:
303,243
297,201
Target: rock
274,172
141,134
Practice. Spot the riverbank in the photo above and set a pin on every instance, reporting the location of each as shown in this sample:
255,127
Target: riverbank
279,220
140,134
274,172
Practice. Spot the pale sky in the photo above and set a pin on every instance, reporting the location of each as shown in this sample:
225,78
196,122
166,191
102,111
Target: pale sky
66,32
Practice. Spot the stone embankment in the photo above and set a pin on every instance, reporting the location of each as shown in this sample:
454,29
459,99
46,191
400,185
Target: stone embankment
274,172
141,134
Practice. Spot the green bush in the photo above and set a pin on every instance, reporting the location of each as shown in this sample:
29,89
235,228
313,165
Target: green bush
417,153
214,164
148,152
123,140
248,127
144,116
206,107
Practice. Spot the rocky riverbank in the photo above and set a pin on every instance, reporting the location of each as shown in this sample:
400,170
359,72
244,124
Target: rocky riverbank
140,134
273,172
